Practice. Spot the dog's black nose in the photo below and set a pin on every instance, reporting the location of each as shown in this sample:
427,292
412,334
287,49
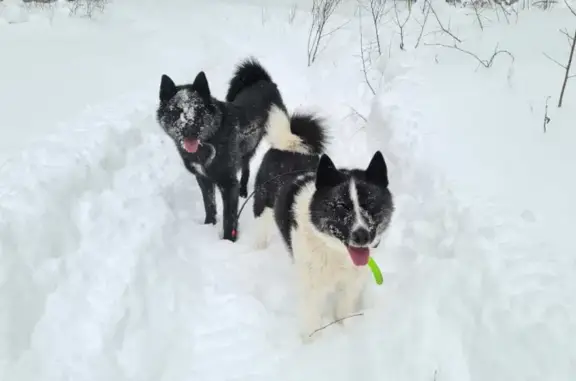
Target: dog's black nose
360,237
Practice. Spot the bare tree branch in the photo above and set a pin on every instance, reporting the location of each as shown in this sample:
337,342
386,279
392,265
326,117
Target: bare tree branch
569,7
402,25
362,54
447,31
568,36
553,60
377,12
423,26
567,75
322,10
477,13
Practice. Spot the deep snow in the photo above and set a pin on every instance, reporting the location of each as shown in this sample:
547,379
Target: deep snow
107,274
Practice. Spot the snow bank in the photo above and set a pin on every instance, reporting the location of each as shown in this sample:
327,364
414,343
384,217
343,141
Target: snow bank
487,295
12,12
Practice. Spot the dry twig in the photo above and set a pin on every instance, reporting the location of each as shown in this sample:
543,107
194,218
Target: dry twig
362,54
486,63
322,10
445,30
566,67
334,322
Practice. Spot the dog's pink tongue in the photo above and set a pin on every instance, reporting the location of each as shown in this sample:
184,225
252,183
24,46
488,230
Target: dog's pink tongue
191,145
359,255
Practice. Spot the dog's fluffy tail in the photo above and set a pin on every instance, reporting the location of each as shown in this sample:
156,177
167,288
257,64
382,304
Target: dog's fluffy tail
248,72
303,133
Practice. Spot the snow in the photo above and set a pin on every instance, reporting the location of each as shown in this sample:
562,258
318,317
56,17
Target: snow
106,272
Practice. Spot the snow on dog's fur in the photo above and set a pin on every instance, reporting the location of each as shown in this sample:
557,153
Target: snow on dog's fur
329,218
217,139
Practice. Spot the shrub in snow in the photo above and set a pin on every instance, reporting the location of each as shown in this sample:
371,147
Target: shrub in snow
87,7
322,10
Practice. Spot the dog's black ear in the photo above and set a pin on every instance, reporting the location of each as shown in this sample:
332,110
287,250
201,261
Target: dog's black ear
377,172
201,85
327,175
167,88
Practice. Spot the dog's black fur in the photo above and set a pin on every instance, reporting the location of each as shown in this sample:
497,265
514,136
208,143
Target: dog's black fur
225,135
280,166
331,208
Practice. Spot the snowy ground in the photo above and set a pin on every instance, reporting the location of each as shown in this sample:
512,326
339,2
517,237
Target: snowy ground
107,274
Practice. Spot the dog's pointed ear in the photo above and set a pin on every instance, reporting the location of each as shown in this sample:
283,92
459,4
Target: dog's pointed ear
201,85
377,172
167,88
327,175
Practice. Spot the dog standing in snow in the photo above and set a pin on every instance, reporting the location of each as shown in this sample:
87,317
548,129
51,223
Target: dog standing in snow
218,139
329,218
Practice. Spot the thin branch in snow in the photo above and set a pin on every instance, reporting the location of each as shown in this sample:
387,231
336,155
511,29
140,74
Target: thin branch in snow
568,36
477,12
569,7
487,63
445,30
357,113
376,12
334,322
566,67
402,25
553,60
423,25
335,29
322,10
362,54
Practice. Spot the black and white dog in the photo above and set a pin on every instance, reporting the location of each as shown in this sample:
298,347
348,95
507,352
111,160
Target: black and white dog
217,139
329,218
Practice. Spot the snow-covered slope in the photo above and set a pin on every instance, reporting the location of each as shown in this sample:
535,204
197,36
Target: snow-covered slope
107,274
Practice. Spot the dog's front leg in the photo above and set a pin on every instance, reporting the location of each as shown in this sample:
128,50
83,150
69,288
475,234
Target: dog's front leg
244,178
208,194
349,297
230,200
312,301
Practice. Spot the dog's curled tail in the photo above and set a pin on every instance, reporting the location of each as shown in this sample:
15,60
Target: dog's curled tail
247,73
302,132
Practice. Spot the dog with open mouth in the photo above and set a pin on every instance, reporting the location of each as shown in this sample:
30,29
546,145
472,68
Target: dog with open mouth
217,139
329,218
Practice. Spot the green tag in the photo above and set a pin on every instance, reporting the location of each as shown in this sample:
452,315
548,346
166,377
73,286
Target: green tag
375,271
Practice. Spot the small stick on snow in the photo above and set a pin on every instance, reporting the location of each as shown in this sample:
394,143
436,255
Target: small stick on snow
334,322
